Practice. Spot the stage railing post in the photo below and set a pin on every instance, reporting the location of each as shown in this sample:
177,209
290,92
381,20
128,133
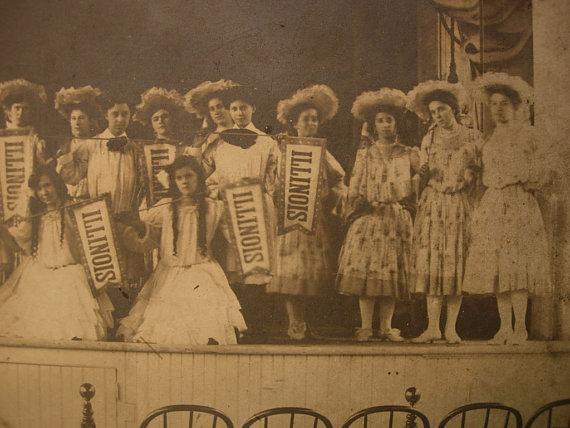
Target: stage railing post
87,391
412,397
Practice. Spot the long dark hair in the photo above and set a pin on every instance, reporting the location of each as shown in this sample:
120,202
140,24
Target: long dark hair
37,207
199,197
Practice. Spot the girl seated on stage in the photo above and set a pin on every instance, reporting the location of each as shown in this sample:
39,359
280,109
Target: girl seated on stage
48,296
187,300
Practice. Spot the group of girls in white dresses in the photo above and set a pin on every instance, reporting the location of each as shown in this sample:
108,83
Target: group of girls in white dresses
417,224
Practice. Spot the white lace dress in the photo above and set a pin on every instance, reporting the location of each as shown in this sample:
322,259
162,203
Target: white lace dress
187,300
48,296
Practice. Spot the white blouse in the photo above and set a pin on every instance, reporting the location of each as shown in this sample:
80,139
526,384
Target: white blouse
51,253
159,232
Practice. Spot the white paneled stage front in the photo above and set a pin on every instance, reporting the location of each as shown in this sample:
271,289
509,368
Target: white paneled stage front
40,380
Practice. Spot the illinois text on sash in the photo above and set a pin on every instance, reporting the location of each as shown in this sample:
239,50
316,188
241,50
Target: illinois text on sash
100,253
248,221
17,161
157,155
300,174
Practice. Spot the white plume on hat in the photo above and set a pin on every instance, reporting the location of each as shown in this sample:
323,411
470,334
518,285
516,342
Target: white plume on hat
418,95
196,99
321,97
66,98
157,98
372,100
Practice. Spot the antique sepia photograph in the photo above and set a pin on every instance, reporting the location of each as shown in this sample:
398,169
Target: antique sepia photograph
246,213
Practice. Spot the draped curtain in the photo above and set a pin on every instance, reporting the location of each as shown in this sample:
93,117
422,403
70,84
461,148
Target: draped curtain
507,31
507,27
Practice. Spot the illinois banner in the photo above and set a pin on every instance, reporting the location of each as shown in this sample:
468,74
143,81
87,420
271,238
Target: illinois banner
99,251
249,226
17,161
157,156
300,175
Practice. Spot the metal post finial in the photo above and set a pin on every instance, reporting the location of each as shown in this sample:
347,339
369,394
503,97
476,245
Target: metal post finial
87,392
412,397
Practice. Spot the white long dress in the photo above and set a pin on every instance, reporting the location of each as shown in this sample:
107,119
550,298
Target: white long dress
509,249
225,164
48,296
187,300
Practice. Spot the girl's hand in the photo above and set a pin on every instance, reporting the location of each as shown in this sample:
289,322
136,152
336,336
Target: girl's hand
409,205
280,137
162,177
14,221
469,176
360,207
424,169
139,227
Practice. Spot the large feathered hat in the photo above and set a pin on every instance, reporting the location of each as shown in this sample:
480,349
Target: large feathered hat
17,90
158,98
425,92
491,82
196,100
320,97
84,98
369,102
513,86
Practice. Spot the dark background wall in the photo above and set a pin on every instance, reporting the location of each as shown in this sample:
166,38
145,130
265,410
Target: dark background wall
279,46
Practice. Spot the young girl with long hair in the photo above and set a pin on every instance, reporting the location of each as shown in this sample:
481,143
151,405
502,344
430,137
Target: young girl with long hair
187,300
48,296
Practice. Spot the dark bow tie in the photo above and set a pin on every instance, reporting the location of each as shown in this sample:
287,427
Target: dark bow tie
117,144
243,138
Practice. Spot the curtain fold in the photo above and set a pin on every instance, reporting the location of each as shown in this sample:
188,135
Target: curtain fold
508,26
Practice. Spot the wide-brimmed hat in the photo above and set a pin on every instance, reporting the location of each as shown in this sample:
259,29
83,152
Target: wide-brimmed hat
321,97
425,92
16,90
371,101
83,98
196,99
155,99
491,82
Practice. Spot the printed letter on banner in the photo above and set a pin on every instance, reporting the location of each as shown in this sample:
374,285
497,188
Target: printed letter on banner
300,175
101,258
249,227
17,161
157,156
